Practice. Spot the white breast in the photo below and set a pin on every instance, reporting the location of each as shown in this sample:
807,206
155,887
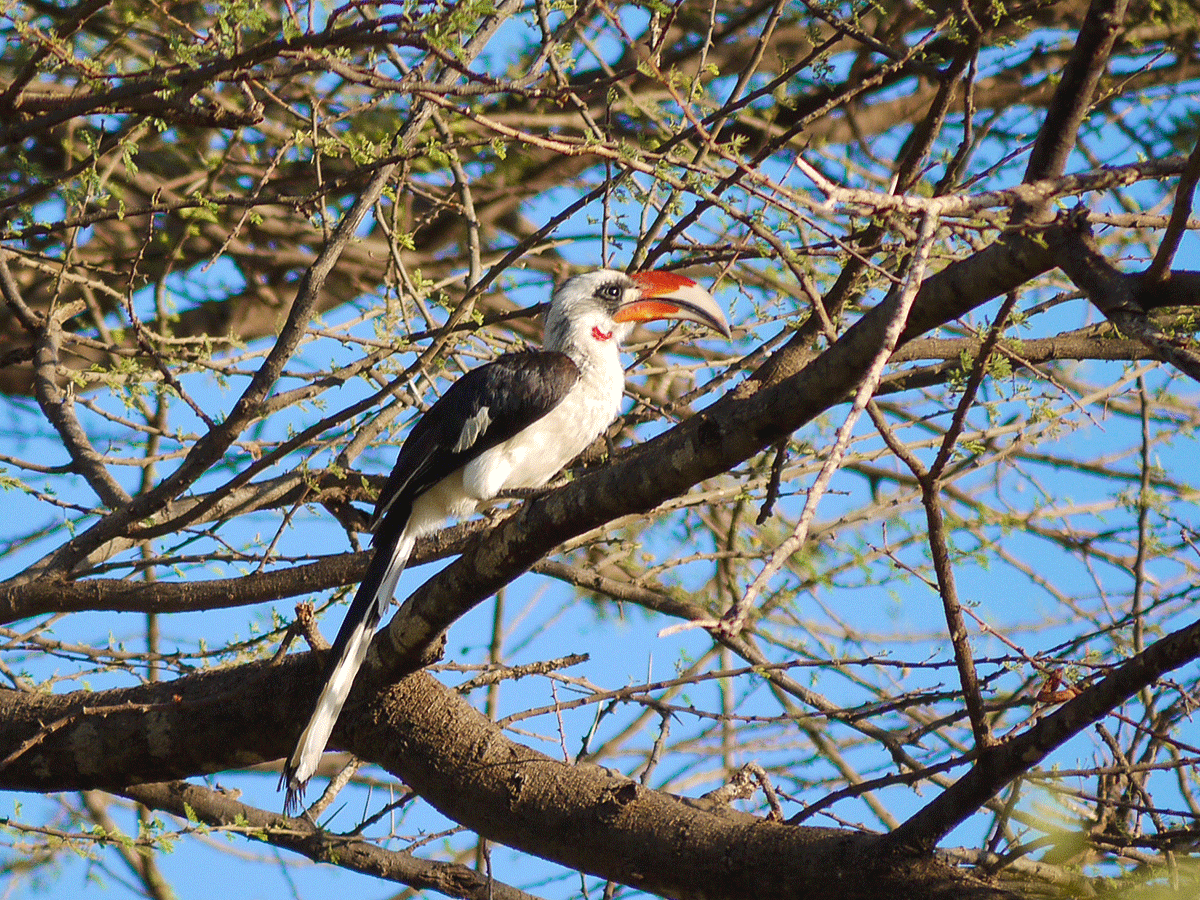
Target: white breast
534,456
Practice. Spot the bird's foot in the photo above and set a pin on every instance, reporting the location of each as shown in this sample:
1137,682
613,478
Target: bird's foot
531,493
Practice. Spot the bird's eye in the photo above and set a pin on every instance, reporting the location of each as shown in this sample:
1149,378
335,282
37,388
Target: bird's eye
609,291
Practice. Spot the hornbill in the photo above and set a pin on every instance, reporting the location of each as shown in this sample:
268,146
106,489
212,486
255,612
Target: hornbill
509,424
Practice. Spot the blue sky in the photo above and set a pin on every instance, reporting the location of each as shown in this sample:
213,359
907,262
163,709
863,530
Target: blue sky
623,644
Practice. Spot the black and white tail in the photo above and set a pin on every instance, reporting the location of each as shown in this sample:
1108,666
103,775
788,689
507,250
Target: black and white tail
346,657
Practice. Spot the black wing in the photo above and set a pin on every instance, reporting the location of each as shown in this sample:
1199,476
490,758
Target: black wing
485,407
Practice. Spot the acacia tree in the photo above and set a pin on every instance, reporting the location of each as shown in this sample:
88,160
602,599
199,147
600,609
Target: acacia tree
919,545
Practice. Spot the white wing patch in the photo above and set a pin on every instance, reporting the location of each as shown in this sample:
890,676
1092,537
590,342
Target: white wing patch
472,429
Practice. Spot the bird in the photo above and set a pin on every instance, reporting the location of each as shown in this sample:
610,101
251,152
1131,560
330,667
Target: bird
511,424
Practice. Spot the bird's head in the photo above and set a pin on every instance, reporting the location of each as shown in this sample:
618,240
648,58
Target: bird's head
604,306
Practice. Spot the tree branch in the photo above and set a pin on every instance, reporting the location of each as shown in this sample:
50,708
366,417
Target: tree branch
351,852
997,765
1115,294
214,443
1073,96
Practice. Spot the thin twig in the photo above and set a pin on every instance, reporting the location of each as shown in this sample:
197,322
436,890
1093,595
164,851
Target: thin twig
735,618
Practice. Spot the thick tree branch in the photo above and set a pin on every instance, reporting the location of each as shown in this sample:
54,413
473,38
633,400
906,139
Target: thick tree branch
1076,89
710,443
458,760
724,435
1117,295
116,222
591,819
579,815
165,731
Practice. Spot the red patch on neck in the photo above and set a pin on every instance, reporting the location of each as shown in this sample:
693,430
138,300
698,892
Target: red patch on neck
601,335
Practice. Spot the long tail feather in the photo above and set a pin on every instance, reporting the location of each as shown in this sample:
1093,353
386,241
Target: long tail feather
346,657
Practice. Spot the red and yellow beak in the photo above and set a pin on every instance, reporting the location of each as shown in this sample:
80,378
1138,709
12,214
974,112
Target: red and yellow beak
665,295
